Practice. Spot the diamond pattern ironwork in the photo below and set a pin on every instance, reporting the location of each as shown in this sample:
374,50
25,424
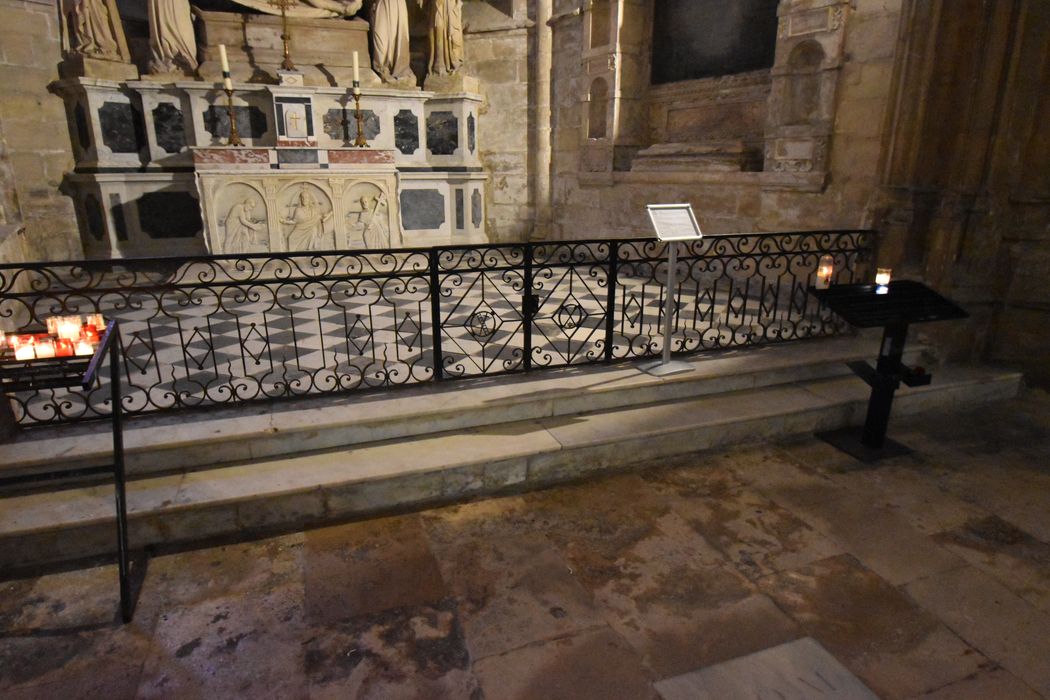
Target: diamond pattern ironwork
483,323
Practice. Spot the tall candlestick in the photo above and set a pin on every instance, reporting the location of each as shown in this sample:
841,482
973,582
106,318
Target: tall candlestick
357,70
227,81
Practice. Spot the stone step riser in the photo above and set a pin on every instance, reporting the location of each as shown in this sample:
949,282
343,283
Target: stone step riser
357,498
224,449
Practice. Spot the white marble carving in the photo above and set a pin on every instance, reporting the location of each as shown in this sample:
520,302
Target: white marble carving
94,30
445,33
172,43
368,217
244,225
307,212
308,9
390,53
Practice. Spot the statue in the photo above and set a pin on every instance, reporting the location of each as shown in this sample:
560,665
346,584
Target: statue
390,57
308,223
445,32
309,9
172,44
93,30
241,227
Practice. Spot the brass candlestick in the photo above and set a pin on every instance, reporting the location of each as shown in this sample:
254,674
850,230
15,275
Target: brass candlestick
360,141
286,36
235,138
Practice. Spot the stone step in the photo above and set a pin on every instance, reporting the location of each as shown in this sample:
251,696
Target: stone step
193,441
307,489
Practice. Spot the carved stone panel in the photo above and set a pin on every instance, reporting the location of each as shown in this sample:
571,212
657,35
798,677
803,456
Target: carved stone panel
442,133
169,215
368,217
406,132
251,122
242,219
305,213
422,210
120,129
168,127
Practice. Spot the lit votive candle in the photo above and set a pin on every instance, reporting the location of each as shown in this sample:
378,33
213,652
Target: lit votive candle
63,347
85,348
24,351
824,272
45,348
882,280
68,327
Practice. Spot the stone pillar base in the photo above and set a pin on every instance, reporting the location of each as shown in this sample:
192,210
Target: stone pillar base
86,67
455,82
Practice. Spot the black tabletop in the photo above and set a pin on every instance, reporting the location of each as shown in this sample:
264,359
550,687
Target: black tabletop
905,302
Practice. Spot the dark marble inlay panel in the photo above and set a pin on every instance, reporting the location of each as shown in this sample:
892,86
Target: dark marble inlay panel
169,215
475,208
460,213
119,126
96,220
422,209
296,155
120,222
341,124
83,132
168,127
442,133
472,141
251,122
406,132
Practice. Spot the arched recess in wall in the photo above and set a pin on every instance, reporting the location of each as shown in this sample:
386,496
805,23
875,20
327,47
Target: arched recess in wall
802,101
598,109
601,23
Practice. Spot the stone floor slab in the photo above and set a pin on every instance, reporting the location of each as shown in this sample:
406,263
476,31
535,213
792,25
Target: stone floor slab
798,670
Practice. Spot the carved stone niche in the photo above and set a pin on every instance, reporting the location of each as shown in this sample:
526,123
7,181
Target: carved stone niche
809,57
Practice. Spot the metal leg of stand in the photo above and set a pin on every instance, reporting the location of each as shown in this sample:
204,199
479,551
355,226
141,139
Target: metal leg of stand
126,608
884,385
665,366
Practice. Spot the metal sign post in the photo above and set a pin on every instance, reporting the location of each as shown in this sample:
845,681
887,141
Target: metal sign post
673,223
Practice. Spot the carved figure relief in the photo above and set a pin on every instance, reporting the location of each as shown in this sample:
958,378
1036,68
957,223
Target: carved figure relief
308,9
445,34
390,56
308,213
367,217
93,30
172,44
244,226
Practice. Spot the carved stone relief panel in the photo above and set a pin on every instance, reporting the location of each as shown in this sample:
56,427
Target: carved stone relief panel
242,219
305,213
368,217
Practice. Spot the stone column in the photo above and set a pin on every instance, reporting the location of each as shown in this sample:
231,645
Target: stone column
541,183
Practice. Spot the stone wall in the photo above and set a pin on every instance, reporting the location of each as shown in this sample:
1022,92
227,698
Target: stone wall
587,204
497,53
34,126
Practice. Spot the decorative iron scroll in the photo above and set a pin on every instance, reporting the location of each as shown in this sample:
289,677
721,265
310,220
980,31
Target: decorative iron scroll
220,330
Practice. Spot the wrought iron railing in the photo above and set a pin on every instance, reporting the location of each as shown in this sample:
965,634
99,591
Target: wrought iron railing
217,330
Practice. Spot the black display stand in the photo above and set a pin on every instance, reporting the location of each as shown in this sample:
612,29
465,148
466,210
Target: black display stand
903,303
83,371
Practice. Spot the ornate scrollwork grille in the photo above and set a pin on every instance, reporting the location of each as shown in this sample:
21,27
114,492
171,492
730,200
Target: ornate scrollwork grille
219,330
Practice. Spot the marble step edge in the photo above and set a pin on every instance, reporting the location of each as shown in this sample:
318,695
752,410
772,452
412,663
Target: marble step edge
167,443
390,475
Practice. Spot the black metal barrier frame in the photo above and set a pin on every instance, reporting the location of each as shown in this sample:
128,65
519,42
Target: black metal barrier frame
228,329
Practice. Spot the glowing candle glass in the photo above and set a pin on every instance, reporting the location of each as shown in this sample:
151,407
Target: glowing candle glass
45,348
85,348
882,280
824,272
68,327
23,346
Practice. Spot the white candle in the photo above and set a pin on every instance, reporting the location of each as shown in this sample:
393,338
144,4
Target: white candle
357,70
223,59
69,328
25,352
85,348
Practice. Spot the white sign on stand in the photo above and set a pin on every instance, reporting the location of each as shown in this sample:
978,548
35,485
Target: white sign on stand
673,223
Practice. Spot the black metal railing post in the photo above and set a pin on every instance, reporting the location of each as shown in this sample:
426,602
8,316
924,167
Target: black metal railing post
119,473
435,313
528,310
610,303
